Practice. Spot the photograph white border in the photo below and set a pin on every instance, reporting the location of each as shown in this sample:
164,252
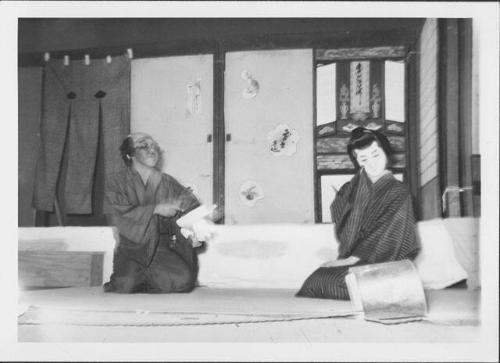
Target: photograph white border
485,18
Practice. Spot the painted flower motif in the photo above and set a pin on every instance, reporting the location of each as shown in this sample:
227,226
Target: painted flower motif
250,193
283,140
253,86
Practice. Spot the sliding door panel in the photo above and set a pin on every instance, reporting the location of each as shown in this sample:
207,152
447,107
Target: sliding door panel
172,99
269,137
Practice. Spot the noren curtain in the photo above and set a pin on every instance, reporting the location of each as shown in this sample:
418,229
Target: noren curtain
85,116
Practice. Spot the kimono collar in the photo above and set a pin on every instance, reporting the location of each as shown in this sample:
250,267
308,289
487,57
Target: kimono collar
388,176
154,178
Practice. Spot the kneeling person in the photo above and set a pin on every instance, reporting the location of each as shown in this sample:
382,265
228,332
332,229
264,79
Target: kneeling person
372,215
152,256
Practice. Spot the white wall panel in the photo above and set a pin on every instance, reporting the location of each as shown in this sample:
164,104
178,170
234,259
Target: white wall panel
159,106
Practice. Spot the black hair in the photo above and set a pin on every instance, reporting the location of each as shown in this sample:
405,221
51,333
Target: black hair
127,150
362,138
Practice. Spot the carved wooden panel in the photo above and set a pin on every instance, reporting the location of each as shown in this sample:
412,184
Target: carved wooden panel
334,162
338,145
394,127
360,53
326,129
397,143
329,145
398,160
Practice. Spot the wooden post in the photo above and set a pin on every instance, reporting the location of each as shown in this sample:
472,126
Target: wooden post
449,117
219,140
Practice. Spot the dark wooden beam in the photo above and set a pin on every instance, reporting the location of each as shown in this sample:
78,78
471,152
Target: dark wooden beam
219,139
49,34
412,137
318,213
146,50
232,42
465,115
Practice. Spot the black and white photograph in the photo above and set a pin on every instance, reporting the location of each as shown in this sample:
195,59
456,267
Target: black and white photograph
254,181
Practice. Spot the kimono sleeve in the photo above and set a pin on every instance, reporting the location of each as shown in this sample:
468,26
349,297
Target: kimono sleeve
131,219
180,195
340,204
394,237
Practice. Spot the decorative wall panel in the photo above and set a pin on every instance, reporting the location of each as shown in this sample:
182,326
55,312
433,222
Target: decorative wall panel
333,162
360,53
332,145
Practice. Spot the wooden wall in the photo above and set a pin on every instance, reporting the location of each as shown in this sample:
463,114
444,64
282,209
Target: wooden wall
449,181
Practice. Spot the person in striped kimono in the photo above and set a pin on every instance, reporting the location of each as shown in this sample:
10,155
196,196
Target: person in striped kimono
372,214
152,255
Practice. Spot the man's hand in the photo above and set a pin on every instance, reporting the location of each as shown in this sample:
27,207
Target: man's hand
166,209
200,231
188,234
203,230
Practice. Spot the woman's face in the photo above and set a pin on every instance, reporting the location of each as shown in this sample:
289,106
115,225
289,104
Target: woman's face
147,152
372,159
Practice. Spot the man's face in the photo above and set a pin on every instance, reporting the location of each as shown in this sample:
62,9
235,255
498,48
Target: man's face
372,159
147,152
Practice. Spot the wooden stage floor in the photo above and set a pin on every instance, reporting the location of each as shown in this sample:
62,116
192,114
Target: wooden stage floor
230,315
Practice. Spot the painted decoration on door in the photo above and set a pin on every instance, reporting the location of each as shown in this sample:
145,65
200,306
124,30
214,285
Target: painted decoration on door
360,90
253,86
344,102
376,99
250,193
193,98
283,140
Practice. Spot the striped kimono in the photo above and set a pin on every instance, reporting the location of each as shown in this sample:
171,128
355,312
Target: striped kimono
152,255
374,222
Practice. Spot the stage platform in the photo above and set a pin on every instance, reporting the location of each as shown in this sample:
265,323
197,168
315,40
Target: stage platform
87,314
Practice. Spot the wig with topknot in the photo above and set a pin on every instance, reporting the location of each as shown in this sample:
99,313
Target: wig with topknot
361,138
127,150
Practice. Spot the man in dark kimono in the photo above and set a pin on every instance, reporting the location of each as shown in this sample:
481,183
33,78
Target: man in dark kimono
152,255
373,218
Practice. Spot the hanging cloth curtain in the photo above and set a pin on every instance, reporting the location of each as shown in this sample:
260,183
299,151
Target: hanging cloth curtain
86,106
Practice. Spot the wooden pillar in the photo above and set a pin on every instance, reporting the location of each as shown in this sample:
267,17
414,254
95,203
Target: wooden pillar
449,116
412,134
455,116
465,120
219,140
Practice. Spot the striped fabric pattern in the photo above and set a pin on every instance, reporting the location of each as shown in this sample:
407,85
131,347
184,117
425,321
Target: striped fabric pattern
374,222
326,283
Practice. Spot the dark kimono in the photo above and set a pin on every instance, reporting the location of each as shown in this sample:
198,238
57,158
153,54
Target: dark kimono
152,255
374,222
